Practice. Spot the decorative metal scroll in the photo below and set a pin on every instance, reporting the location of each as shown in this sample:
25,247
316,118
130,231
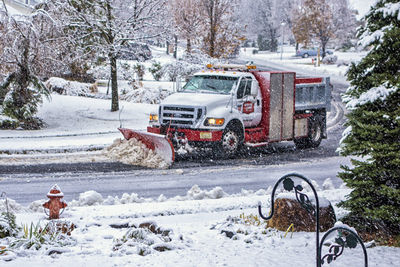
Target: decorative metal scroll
350,239
347,238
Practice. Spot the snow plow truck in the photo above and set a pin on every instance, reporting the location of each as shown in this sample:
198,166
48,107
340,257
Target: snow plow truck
230,106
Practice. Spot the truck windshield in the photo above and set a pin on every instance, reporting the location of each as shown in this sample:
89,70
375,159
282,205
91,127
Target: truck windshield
211,84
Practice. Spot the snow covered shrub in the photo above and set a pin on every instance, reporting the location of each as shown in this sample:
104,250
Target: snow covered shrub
8,227
248,228
35,237
180,68
329,59
145,239
7,122
156,70
139,70
145,95
65,87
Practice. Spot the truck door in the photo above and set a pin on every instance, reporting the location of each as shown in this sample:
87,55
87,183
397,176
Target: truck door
281,106
248,105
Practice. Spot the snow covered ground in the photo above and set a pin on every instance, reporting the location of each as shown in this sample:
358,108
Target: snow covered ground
194,224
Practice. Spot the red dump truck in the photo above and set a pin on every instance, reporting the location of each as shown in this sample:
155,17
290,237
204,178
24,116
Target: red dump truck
228,106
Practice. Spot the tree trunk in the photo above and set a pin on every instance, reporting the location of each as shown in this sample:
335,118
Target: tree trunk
114,83
323,44
188,46
212,41
176,46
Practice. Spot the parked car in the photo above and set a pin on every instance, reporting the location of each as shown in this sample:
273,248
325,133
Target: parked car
306,52
135,51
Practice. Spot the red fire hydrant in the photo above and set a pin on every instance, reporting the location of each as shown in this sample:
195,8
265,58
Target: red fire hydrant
55,204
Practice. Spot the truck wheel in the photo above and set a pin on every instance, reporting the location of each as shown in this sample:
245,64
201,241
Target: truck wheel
305,55
230,143
314,137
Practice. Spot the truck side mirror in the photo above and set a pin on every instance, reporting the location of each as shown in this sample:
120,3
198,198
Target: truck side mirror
254,90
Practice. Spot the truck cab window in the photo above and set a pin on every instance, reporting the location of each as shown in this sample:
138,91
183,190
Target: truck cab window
244,88
210,84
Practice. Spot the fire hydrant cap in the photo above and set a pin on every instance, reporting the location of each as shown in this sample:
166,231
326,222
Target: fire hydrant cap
55,191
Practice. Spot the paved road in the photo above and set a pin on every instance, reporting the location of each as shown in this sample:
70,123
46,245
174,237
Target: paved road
28,187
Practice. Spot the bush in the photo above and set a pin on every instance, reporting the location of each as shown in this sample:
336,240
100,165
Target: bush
329,59
179,69
156,70
8,227
139,70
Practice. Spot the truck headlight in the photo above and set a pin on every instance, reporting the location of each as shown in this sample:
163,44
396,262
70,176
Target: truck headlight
153,118
214,122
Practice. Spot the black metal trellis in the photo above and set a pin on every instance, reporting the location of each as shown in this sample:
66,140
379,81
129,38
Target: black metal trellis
347,237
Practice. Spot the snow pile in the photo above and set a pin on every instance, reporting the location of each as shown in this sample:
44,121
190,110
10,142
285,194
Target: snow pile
65,87
249,229
13,206
37,206
145,95
88,198
195,193
134,152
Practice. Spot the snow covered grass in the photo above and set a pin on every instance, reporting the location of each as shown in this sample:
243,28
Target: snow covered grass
185,231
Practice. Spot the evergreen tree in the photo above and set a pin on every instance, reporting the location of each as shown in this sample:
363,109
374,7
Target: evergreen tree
373,132
23,39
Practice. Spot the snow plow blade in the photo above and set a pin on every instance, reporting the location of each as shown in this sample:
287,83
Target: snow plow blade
156,142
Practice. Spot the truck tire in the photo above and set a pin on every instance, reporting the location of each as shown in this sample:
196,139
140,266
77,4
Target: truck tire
231,142
315,134
305,55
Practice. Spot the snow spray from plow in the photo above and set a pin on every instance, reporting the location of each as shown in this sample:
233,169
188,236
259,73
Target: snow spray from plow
156,142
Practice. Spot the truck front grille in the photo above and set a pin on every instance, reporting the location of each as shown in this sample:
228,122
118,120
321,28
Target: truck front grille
180,116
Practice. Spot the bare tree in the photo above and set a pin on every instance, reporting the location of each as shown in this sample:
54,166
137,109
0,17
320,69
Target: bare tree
187,19
107,26
314,20
345,22
222,32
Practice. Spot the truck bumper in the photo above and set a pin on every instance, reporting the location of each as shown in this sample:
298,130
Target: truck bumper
190,134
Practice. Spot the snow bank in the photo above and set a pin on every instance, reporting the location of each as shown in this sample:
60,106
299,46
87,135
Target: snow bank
134,152
88,198
13,206
195,193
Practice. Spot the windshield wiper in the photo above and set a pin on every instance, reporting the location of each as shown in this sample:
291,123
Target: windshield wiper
210,86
